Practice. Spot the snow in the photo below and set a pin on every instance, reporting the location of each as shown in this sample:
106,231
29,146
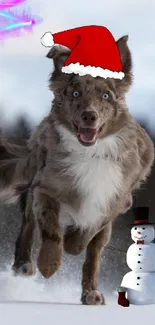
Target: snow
30,301
141,257
143,232
36,289
42,314
140,287
140,282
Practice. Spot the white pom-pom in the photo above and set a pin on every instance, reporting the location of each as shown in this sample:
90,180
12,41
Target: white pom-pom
47,39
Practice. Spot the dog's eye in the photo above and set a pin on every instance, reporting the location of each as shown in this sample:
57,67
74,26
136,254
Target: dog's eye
135,228
105,95
76,94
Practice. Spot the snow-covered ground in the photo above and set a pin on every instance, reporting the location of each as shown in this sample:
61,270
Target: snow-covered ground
28,301
42,314
37,290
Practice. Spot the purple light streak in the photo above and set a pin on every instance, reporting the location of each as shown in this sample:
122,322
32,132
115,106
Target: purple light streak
13,24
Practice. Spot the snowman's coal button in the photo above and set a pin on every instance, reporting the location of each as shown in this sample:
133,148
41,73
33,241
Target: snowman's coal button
140,249
138,278
138,262
137,284
139,254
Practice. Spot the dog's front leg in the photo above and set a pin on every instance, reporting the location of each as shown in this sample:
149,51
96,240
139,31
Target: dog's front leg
22,263
46,211
76,240
90,293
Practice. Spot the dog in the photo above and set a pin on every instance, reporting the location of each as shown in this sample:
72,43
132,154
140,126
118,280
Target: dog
78,170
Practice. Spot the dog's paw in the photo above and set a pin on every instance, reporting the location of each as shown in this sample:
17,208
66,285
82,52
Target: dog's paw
49,259
93,297
26,269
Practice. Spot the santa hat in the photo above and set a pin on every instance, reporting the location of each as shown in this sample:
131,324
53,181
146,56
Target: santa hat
93,51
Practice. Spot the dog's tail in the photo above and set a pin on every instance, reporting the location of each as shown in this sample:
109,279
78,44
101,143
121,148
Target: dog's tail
14,170
17,166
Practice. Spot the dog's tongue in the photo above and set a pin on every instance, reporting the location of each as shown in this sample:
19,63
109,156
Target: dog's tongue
87,134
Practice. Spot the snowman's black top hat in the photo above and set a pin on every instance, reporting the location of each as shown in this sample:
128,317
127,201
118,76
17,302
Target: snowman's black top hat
141,216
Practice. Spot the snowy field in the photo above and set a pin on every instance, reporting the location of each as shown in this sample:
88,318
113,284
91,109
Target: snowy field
27,301
42,314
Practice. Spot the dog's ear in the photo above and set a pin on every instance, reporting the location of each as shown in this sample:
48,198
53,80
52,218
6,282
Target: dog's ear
126,59
59,55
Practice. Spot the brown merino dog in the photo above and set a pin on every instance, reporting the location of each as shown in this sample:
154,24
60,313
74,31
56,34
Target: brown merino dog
79,170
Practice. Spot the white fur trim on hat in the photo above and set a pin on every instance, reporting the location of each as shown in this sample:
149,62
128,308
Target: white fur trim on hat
122,289
47,39
82,70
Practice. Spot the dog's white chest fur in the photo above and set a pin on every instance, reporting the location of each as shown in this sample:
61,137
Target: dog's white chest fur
97,178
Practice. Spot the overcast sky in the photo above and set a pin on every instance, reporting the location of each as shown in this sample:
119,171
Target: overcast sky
24,69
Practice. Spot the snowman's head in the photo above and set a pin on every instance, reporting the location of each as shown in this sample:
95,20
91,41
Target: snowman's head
145,233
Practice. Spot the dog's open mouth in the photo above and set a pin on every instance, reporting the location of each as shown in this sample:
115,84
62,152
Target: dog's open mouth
87,136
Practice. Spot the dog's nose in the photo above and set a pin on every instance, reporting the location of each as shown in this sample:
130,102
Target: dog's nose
89,117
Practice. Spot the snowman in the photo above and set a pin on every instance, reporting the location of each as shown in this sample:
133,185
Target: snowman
138,286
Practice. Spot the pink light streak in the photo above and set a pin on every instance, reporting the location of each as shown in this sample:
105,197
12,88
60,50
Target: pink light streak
13,24
10,4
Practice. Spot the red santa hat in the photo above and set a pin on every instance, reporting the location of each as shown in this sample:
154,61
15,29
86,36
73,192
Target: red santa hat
93,51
